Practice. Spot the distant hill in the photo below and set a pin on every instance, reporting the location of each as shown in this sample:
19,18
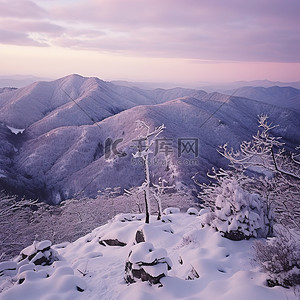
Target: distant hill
57,103
240,84
68,121
18,81
281,96
146,85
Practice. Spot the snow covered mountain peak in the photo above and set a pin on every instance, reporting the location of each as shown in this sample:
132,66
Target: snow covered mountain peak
68,121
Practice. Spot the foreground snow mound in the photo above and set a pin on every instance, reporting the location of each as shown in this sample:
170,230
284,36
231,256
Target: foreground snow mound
39,273
146,264
55,282
205,265
39,253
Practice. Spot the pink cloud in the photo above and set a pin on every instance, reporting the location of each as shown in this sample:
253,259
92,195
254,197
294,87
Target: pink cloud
257,30
178,13
31,26
17,38
20,8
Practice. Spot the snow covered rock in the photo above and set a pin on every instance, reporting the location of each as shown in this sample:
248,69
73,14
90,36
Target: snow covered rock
31,275
204,211
43,245
128,217
148,232
166,219
139,237
192,211
171,210
8,268
39,253
146,264
112,242
45,282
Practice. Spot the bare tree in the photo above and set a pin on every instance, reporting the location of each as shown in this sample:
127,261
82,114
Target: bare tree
148,137
265,153
132,193
159,189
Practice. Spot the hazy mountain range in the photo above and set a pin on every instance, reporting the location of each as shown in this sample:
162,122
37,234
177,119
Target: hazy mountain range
68,123
254,83
18,81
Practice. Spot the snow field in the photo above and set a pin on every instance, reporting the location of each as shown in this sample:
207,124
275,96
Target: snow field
204,265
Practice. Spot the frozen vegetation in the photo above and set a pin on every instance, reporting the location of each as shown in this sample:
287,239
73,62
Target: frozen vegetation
70,143
73,218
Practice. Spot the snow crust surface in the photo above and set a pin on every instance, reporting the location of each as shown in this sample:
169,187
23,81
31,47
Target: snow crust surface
204,266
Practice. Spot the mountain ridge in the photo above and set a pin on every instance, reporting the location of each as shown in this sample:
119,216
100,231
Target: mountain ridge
281,96
61,151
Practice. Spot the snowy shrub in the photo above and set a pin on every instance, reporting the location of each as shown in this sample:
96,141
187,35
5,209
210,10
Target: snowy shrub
277,171
146,264
193,274
262,166
207,218
238,214
279,257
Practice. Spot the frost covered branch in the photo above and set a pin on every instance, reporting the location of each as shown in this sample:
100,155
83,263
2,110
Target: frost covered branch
159,189
149,139
263,153
9,204
277,172
261,166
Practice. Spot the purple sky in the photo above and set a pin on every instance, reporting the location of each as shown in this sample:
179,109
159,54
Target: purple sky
156,40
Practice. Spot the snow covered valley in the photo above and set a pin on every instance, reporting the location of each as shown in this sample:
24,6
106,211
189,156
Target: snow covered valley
68,123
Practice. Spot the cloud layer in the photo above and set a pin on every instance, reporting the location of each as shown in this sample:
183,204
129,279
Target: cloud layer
231,30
